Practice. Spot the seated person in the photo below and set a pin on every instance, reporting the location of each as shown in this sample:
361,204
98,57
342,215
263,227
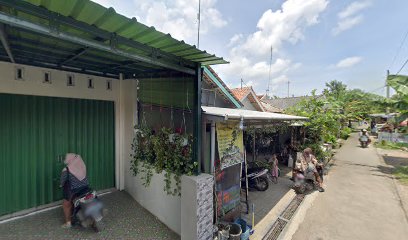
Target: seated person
364,136
308,163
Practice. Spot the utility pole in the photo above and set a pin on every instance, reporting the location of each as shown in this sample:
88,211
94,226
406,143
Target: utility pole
269,78
388,90
242,81
288,87
199,21
386,84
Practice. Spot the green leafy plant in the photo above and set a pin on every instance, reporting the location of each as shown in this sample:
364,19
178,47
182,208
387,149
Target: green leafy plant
163,151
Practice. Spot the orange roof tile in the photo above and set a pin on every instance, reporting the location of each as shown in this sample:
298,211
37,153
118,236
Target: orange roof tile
241,93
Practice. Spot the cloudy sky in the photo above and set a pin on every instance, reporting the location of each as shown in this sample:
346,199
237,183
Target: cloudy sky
313,41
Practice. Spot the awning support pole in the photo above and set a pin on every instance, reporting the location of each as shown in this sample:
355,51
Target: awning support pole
212,147
197,131
4,41
253,147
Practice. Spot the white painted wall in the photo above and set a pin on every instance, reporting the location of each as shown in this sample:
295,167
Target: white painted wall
166,208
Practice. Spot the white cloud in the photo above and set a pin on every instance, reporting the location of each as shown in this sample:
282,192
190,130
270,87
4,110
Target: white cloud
250,56
346,24
177,17
350,17
353,8
348,62
235,39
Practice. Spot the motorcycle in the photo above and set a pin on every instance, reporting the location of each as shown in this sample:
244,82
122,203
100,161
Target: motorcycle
306,181
88,210
257,178
364,141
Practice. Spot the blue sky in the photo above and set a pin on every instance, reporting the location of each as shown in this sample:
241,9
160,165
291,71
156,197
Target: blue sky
314,41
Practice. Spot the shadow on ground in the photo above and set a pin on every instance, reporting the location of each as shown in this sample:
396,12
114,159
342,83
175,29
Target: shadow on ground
126,220
265,201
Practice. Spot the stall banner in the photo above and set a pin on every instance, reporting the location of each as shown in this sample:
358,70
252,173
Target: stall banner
230,144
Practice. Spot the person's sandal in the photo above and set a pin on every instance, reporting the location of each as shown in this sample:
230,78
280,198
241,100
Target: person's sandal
67,225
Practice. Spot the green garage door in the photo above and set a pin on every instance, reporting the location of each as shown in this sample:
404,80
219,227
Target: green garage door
35,134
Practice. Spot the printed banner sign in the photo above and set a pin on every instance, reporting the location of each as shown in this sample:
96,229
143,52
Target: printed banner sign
230,144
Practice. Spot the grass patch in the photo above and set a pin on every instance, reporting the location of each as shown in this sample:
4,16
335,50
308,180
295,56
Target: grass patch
390,145
401,173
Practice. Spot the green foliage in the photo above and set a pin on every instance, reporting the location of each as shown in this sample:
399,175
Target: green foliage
163,151
317,149
330,113
345,133
400,100
390,145
401,173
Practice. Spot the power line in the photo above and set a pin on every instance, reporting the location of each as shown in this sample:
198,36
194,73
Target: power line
399,49
377,89
403,65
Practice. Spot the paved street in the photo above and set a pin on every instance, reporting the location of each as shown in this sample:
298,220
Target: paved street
360,201
126,220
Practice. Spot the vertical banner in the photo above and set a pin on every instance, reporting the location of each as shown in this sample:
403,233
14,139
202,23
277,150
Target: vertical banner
230,144
231,155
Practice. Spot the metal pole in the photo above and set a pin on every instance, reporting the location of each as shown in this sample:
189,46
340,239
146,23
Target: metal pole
269,78
212,147
199,22
288,87
386,84
197,129
388,91
253,147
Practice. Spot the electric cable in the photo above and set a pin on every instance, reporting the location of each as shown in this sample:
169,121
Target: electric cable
399,49
403,65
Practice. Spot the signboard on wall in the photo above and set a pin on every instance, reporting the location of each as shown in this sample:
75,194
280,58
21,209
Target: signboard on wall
230,144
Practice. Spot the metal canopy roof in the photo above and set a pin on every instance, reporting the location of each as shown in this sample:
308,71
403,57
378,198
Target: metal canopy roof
80,35
248,115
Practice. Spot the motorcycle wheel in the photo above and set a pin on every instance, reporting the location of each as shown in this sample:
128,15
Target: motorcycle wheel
261,184
98,226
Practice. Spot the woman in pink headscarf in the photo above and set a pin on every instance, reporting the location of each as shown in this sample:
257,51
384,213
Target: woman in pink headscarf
73,181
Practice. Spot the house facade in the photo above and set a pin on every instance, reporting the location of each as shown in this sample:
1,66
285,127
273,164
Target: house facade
78,77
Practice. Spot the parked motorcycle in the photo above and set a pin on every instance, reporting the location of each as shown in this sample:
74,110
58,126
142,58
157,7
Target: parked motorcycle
88,210
306,181
257,178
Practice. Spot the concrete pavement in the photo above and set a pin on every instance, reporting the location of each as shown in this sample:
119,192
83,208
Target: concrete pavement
360,201
126,219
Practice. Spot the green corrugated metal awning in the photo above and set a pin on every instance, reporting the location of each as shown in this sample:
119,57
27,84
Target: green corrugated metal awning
84,34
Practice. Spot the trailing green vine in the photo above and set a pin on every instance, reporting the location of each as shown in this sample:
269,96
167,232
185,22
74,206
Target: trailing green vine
163,151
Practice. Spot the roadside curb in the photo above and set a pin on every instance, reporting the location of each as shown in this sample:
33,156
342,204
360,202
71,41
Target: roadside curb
298,217
263,227
398,190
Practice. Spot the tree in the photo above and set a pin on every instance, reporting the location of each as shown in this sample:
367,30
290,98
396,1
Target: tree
335,88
